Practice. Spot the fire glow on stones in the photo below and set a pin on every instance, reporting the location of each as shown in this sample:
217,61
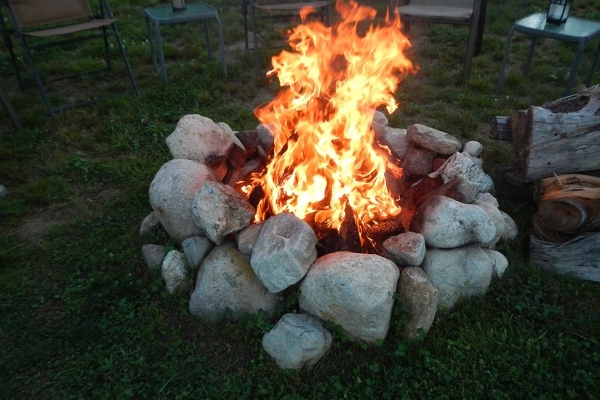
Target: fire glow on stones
325,157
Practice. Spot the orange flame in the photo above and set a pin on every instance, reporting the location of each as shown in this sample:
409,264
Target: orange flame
325,155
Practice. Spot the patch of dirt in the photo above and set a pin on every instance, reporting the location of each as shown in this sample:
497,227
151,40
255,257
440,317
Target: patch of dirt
39,222
35,225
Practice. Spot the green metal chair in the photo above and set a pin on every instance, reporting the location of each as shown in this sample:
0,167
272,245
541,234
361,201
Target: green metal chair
455,12
275,9
9,109
39,24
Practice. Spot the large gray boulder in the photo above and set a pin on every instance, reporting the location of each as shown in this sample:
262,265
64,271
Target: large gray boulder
473,148
420,298
467,167
355,291
462,272
200,139
171,194
149,224
284,251
218,210
153,255
395,139
511,231
446,223
225,281
247,238
175,273
405,249
195,249
297,341
432,139
500,263
496,216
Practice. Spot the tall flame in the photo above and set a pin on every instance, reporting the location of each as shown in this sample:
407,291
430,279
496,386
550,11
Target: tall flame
325,156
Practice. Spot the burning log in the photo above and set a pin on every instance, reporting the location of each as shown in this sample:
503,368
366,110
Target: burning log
331,240
238,156
349,236
383,229
424,186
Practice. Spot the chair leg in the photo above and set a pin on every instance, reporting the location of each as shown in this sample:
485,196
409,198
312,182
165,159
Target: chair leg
125,59
8,107
255,37
106,48
36,77
245,15
9,46
480,26
470,52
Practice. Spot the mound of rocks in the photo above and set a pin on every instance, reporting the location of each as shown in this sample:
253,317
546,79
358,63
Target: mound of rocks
229,265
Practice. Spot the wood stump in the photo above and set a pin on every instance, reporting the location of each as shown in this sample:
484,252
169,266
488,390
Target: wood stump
565,228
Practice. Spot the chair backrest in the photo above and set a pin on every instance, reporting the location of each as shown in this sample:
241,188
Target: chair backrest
443,3
38,12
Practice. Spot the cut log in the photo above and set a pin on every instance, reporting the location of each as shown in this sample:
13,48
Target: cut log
559,137
500,129
577,257
568,205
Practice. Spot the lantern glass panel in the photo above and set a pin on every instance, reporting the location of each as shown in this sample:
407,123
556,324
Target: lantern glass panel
558,11
178,5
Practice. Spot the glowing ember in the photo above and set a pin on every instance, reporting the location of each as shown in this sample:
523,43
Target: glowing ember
325,156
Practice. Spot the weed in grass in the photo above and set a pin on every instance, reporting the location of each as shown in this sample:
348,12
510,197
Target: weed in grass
44,190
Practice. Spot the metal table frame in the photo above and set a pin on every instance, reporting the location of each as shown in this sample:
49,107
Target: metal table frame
165,15
574,30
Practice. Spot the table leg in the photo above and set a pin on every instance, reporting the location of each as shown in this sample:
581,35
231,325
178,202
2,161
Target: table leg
594,66
530,55
221,45
152,52
161,55
207,39
504,60
575,67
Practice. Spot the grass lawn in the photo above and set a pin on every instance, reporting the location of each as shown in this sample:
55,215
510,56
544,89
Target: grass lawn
80,317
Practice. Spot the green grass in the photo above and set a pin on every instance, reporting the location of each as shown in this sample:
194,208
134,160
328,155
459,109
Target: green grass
81,317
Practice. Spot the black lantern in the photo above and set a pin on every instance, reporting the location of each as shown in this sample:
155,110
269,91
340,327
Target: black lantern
178,5
558,11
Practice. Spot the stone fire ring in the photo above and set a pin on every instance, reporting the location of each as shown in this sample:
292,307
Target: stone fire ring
228,265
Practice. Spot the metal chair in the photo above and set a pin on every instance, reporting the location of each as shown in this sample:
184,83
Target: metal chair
39,24
455,12
9,109
267,9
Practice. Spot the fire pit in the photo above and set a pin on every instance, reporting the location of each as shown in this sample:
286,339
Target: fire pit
326,199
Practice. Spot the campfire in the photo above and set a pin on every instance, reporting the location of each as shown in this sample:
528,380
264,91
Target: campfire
325,199
327,166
